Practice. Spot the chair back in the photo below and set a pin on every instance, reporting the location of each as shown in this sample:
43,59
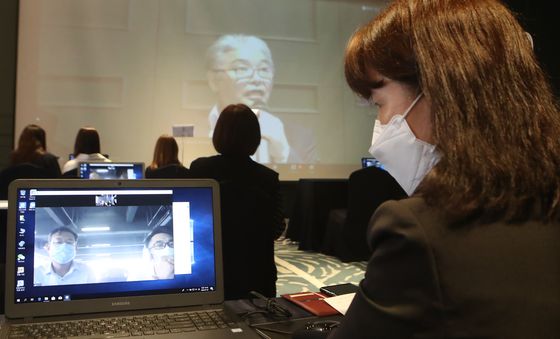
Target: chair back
367,189
247,240
21,171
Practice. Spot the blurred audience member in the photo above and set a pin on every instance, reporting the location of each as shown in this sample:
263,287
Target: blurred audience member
251,203
165,163
32,148
86,148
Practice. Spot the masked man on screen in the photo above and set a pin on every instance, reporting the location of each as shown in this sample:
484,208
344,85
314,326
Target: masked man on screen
62,269
240,70
159,244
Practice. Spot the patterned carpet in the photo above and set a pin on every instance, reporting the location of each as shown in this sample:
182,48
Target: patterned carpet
300,271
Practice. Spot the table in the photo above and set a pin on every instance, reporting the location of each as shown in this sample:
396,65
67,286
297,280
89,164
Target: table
314,199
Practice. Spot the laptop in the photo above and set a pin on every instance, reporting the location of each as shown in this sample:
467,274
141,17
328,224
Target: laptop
72,157
127,256
371,162
111,170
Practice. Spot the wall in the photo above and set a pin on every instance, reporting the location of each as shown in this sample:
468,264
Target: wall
8,41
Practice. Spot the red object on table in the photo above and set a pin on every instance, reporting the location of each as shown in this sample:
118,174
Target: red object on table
312,302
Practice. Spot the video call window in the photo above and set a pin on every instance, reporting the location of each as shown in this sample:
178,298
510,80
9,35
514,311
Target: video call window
110,239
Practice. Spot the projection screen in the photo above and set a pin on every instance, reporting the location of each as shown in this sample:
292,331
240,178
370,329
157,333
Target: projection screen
135,69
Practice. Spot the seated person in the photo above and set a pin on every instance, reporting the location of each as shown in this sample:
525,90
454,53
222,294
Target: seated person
32,148
251,203
165,163
86,148
473,137
62,269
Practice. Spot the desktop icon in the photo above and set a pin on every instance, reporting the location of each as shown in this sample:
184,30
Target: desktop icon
20,270
32,205
22,217
20,283
22,193
22,231
22,205
21,243
20,257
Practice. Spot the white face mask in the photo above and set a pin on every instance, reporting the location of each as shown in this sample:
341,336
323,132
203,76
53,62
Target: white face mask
165,252
405,157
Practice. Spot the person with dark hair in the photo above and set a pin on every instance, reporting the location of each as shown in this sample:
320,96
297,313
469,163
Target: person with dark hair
160,248
165,163
87,147
251,203
61,246
32,148
469,128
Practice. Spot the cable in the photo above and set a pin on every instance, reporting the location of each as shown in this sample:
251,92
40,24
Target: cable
272,306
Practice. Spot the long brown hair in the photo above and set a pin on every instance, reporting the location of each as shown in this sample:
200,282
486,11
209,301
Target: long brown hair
32,144
166,152
495,120
87,141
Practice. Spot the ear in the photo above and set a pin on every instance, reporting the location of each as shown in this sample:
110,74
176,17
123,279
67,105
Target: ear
212,80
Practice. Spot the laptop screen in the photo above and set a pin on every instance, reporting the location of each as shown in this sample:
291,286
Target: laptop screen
107,241
371,162
111,170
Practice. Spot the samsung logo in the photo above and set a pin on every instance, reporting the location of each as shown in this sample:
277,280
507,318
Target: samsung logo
120,303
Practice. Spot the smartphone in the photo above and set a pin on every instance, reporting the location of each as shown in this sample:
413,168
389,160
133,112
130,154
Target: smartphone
339,289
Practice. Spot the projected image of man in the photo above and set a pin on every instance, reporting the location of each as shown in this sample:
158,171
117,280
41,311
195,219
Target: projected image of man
62,269
240,70
160,246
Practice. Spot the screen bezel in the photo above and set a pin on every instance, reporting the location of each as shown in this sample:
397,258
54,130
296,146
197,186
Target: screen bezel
28,310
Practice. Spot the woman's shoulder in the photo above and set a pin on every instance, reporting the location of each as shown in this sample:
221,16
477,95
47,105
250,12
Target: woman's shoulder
49,156
405,216
265,171
414,206
204,161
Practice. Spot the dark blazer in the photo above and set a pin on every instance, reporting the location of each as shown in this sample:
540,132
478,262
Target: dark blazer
251,220
50,163
429,279
169,171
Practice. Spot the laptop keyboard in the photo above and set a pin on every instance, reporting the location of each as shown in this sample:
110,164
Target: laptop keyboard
131,326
